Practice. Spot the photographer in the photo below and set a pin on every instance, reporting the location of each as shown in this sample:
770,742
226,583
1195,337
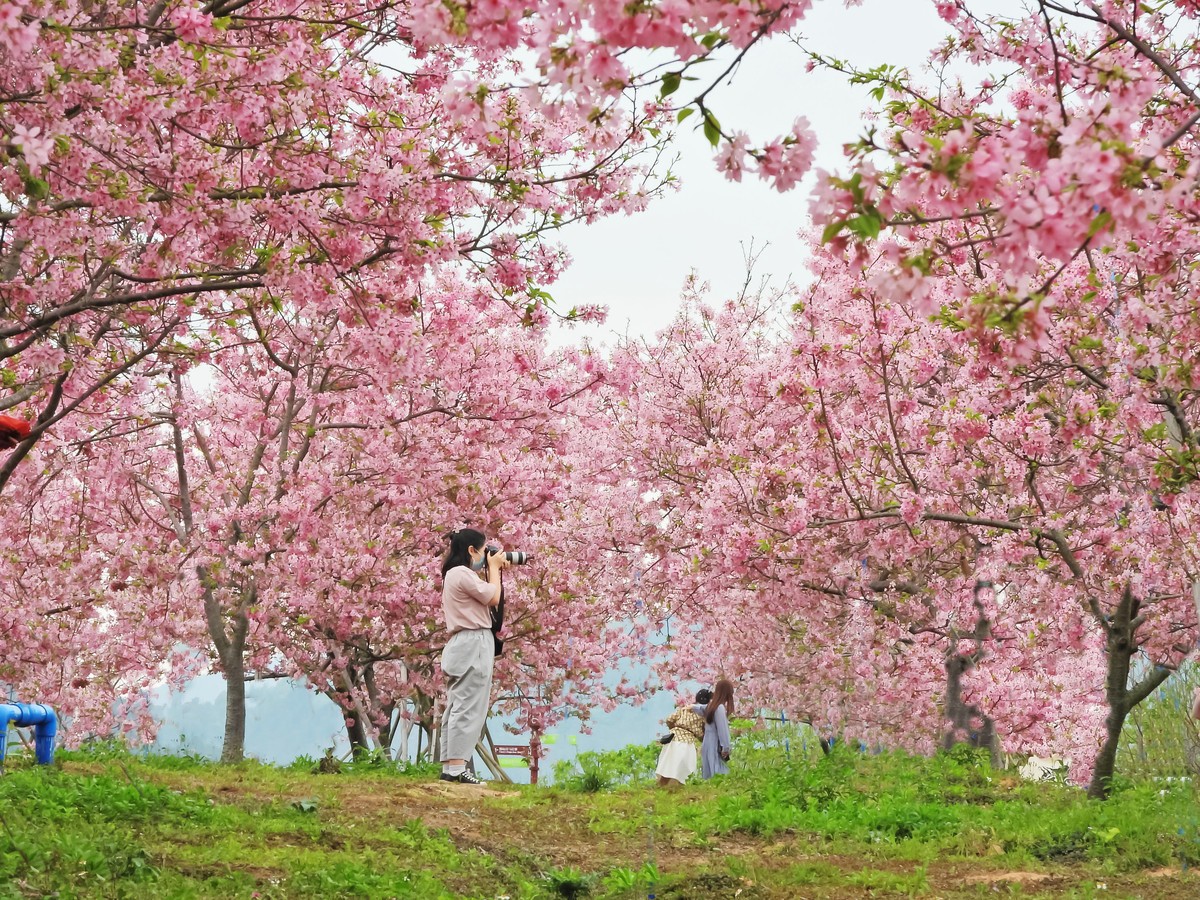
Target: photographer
468,656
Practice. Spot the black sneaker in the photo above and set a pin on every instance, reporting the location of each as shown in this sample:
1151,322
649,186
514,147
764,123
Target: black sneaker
463,777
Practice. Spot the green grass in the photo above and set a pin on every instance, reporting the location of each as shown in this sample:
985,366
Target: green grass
949,806
1160,739
103,823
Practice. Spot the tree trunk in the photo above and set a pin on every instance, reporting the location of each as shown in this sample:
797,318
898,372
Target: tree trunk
423,711
234,747
988,738
357,735
385,734
405,725
957,716
1121,698
359,715
231,648
1106,761
967,722
341,691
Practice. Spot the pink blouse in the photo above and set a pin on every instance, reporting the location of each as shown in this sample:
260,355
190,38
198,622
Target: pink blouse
465,600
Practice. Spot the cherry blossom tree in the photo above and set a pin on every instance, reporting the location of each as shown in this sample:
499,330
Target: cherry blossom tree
489,445
177,165
188,184
1067,135
845,492
82,610
295,506
1041,134
1018,196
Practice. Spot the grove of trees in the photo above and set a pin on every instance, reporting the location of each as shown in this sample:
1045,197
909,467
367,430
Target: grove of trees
274,317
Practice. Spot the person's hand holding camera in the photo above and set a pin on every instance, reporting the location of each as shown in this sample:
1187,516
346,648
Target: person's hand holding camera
497,560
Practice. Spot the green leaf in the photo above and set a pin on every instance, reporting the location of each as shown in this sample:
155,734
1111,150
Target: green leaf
947,317
684,113
1099,223
712,128
832,230
37,188
866,226
670,84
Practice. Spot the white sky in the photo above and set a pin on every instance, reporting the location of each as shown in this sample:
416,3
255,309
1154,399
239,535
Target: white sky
636,265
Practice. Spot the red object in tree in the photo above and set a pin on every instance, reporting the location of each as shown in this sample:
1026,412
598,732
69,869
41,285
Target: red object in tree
12,431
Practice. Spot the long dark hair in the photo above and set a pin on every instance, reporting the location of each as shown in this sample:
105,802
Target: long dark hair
722,696
458,554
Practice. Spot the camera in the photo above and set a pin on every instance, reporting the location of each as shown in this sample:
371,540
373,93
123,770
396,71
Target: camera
514,557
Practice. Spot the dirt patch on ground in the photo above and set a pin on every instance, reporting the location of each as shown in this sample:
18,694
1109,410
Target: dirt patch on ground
504,823
201,871
1013,877
1152,884
461,792
705,886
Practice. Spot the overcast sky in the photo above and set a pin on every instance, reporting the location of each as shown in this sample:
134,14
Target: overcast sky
636,265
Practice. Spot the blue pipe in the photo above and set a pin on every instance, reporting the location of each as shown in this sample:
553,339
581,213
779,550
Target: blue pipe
40,717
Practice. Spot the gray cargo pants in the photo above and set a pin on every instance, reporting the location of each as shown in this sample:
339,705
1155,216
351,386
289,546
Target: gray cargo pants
467,663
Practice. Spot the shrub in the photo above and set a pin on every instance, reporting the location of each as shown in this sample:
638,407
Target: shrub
595,771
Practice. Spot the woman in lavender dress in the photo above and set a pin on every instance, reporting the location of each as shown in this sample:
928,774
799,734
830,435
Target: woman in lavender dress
715,748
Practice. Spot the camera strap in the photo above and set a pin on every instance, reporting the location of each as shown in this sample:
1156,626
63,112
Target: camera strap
497,614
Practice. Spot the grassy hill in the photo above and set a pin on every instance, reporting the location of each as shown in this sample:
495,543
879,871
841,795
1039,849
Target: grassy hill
104,823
